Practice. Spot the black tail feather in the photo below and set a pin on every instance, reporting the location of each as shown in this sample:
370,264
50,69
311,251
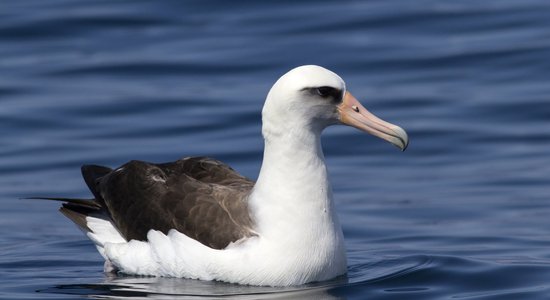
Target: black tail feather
77,218
92,203
78,209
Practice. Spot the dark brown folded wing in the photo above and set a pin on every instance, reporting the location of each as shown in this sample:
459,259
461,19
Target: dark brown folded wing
201,197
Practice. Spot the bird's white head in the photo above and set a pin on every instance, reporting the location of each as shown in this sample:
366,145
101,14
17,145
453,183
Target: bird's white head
310,98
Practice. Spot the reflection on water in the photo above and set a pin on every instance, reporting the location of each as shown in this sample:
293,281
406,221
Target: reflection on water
114,286
174,288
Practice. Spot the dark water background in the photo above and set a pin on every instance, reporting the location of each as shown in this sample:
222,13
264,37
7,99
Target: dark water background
464,213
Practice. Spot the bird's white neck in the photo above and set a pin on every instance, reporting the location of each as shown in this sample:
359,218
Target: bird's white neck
293,188
292,207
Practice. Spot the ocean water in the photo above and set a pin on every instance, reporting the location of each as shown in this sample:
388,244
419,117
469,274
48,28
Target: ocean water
463,213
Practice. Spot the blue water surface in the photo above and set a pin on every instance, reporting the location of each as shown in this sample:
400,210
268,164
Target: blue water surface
463,213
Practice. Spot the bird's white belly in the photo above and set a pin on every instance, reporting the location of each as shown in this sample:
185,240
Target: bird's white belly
266,262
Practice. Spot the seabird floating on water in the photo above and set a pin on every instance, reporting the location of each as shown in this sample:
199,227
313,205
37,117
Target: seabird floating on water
198,218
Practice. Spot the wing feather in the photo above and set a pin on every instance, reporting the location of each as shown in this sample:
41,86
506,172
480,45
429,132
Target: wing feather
201,197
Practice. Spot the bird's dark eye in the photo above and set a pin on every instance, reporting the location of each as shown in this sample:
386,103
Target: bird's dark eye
326,91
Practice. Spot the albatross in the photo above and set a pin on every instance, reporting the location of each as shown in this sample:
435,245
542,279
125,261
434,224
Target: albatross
198,218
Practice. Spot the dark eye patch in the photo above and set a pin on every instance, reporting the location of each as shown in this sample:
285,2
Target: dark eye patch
327,92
